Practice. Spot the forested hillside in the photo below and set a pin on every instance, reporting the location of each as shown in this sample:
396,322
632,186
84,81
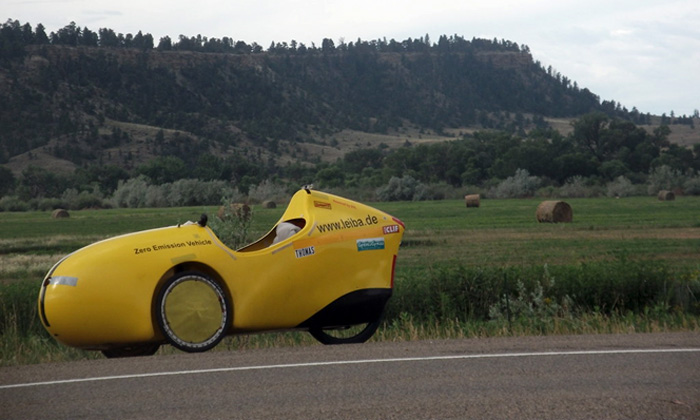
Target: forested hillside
71,83
100,107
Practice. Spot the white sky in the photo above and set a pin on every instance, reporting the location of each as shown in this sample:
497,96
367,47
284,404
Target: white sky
643,53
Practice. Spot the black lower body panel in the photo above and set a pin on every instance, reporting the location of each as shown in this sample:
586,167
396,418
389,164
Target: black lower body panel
358,307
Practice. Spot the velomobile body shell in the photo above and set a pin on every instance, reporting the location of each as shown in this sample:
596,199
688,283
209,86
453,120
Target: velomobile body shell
337,269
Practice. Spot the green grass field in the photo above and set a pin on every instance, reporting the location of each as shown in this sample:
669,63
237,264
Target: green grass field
505,232
502,232
630,264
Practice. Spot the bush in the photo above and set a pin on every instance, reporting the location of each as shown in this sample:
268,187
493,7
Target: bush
232,226
664,178
692,186
75,200
620,187
13,203
575,187
193,192
267,190
137,192
131,193
47,204
519,185
405,188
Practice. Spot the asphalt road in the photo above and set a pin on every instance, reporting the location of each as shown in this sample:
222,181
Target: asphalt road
638,376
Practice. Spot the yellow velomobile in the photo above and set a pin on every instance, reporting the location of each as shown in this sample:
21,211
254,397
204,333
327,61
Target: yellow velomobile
327,267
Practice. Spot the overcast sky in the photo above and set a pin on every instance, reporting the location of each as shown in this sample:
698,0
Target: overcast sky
641,53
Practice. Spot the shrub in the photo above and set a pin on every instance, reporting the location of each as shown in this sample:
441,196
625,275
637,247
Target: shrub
131,193
519,185
232,226
75,200
664,178
620,187
405,188
692,186
267,190
535,304
575,187
193,192
137,192
13,203
46,204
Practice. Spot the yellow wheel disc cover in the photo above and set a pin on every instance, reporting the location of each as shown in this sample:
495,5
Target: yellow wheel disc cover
193,311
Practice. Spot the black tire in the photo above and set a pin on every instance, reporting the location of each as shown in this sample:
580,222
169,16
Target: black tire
192,312
351,334
148,349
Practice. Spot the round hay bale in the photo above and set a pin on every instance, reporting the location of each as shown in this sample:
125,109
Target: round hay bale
665,195
60,214
472,200
269,204
554,212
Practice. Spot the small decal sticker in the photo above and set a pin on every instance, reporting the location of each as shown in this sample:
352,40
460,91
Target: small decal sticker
305,252
370,244
344,204
172,245
390,229
65,280
322,205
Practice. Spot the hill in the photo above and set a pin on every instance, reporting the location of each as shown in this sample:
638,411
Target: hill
94,104
77,99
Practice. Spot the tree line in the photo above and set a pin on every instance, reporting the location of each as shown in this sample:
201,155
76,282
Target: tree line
14,35
600,150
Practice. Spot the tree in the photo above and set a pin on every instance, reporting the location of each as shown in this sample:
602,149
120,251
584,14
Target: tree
330,177
106,177
37,182
68,35
165,44
356,160
7,181
142,42
588,134
40,35
89,38
327,46
164,169
108,38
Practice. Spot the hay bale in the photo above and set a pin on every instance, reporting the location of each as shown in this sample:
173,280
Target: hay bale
472,200
665,195
554,212
269,204
60,214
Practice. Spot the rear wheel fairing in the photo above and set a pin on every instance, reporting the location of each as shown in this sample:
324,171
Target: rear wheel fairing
357,307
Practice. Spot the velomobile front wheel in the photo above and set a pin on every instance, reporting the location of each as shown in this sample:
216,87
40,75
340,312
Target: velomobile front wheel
192,312
351,334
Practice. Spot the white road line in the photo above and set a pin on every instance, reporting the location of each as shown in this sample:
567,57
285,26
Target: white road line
353,362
